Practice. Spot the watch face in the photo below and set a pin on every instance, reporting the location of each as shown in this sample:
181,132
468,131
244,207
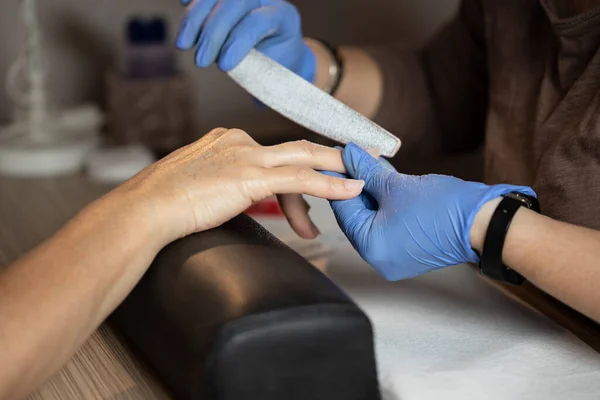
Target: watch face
530,202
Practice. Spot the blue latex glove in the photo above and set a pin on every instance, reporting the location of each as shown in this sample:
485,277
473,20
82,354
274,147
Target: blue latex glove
226,30
406,225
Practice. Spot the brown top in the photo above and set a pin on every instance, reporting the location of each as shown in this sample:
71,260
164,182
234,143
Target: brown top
523,75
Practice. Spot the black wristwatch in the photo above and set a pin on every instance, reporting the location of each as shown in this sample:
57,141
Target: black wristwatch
490,264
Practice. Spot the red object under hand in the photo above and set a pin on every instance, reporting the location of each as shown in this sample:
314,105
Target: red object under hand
267,207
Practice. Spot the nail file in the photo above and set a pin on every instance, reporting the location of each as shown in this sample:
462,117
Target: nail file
305,104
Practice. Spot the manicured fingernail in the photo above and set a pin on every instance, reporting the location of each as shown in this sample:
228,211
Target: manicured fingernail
353,185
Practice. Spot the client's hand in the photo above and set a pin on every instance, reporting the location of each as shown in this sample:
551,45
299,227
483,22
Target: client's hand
405,225
202,185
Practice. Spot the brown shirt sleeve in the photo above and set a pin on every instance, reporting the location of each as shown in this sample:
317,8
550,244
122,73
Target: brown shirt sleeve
435,99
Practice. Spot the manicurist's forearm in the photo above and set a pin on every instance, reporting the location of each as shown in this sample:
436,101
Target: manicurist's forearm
559,258
53,299
361,87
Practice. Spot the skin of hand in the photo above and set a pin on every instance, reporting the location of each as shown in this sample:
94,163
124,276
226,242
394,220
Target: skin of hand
212,180
405,225
224,32
52,299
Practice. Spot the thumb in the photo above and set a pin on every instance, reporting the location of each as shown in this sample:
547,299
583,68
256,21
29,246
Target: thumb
353,217
361,164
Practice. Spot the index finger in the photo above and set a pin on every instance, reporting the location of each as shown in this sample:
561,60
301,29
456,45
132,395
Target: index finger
304,180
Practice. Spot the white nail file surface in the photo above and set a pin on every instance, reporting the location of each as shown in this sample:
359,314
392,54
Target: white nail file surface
307,105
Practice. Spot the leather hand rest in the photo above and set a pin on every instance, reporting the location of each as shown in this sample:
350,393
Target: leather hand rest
232,313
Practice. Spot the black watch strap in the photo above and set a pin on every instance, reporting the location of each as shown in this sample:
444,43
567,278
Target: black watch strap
491,264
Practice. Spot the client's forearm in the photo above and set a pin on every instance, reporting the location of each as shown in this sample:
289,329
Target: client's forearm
53,298
561,259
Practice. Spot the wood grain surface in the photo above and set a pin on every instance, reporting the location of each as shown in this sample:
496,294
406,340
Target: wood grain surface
104,368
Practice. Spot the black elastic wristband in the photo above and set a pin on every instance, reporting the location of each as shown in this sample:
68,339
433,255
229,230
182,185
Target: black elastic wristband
340,65
491,264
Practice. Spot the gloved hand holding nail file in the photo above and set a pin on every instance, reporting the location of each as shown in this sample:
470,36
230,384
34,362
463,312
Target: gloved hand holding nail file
295,98
259,43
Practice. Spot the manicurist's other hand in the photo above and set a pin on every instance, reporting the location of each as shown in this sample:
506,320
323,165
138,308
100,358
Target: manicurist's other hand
224,32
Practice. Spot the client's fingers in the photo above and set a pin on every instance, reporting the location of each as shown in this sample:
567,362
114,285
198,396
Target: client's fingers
296,210
300,153
304,180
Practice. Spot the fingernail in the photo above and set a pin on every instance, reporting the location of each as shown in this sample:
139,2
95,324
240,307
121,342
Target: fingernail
353,185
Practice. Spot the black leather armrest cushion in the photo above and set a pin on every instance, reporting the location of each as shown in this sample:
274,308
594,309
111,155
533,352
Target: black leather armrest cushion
233,314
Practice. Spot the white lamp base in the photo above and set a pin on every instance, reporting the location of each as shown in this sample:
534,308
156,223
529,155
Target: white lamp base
56,154
116,165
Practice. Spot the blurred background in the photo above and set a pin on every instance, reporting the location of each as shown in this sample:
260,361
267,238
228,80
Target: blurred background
84,39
